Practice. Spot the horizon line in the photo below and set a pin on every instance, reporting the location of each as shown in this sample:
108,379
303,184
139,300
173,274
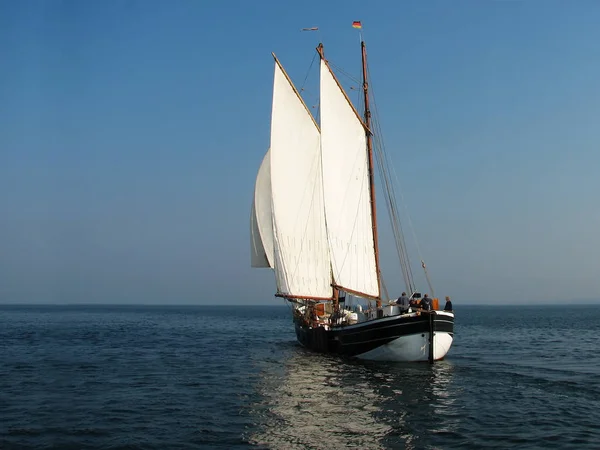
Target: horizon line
556,303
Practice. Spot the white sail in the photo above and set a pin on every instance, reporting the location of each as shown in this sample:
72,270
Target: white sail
346,191
261,221
302,266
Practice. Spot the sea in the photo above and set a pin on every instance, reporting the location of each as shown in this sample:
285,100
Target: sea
217,377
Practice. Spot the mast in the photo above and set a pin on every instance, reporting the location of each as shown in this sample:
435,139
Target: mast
336,112
371,174
302,267
336,291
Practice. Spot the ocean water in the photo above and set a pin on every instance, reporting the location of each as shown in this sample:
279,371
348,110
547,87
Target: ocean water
141,377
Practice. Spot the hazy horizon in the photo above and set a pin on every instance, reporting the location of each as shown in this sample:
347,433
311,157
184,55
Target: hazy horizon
131,134
283,304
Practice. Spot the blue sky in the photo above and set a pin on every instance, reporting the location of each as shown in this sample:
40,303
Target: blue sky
131,133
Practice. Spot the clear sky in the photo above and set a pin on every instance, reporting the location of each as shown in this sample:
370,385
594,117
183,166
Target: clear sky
131,133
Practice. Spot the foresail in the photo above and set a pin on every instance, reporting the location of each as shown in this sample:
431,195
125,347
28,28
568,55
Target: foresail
261,218
302,266
258,256
346,191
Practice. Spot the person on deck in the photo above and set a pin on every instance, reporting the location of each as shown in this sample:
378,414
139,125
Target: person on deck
403,303
448,306
426,303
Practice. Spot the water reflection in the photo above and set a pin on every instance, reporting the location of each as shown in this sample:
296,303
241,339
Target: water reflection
322,402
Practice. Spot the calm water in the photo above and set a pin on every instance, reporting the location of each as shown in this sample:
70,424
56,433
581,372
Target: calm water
216,377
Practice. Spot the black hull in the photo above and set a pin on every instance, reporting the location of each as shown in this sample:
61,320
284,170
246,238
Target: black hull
366,338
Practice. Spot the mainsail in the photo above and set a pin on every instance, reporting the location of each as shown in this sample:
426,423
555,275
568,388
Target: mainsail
312,218
346,191
261,218
302,265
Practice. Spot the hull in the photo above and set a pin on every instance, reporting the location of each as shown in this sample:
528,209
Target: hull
408,337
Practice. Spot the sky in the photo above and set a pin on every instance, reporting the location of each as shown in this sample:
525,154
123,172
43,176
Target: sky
131,133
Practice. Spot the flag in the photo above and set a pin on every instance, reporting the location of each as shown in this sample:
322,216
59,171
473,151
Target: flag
357,24
310,29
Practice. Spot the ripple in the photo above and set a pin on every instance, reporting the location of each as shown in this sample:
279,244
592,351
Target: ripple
125,377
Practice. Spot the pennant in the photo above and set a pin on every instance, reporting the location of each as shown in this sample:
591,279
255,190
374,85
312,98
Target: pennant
357,24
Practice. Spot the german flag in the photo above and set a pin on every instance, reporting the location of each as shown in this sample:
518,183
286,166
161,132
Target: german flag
357,24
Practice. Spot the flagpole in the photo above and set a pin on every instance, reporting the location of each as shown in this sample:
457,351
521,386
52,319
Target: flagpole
357,24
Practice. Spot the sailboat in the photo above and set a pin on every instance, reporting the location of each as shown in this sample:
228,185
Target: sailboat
314,222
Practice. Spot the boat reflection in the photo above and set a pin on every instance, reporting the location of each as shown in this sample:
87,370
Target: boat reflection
323,402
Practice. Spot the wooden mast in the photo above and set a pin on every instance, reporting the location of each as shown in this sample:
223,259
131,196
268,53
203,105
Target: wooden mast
366,126
371,174
335,294
336,291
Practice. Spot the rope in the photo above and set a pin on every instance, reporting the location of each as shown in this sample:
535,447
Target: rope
411,226
392,206
308,72
315,166
427,277
310,93
343,72
387,294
